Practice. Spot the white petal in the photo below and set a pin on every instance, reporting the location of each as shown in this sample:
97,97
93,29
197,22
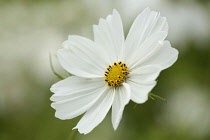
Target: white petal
141,82
145,73
108,34
122,97
144,26
146,49
80,57
139,90
165,56
74,95
96,113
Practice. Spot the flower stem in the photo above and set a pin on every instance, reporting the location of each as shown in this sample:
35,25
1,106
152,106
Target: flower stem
73,135
152,95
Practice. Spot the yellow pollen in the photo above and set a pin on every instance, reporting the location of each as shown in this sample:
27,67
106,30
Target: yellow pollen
116,74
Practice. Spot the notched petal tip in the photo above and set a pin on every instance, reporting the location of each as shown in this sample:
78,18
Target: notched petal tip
174,51
110,17
57,115
53,88
115,12
65,44
53,105
60,117
72,36
84,133
80,131
52,98
147,9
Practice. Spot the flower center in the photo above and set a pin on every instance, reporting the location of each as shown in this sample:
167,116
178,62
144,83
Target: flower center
116,74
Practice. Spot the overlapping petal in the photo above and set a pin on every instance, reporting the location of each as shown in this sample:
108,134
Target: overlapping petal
140,91
146,49
122,97
145,73
142,81
81,58
96,113
164,56
74,96
109,35
148,27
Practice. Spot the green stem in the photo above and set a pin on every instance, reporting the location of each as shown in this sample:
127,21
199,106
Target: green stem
152,95
73,134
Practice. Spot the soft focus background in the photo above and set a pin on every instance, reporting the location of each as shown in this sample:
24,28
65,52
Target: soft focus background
31,29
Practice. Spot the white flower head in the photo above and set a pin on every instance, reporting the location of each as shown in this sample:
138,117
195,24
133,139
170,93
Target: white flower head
111,70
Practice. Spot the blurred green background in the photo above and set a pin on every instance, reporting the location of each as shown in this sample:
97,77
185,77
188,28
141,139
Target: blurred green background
30,29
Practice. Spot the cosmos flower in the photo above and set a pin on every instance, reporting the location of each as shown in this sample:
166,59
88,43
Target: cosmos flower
111,70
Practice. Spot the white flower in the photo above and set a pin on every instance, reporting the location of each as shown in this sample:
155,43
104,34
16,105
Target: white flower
111,70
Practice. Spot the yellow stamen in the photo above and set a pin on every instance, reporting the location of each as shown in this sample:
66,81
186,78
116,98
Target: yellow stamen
116,74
